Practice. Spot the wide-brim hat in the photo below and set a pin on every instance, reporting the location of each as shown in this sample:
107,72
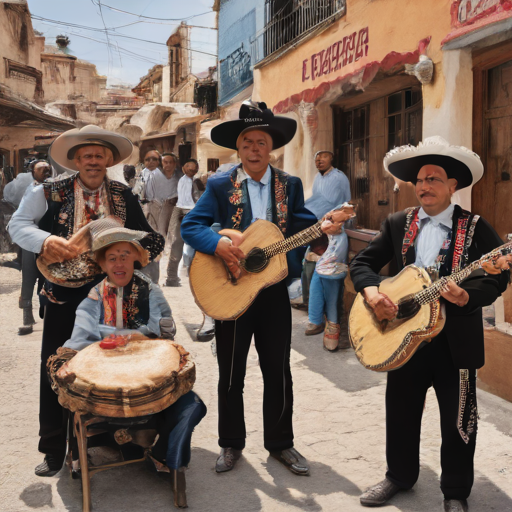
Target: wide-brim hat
91,238
255,116
111,231
460,163
63,149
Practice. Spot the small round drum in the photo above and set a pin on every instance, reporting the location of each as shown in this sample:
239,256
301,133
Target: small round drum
143,377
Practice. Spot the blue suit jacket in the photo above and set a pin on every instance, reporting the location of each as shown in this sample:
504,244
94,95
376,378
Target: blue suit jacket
214,207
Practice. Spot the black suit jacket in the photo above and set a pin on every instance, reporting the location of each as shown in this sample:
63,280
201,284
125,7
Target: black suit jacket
464,326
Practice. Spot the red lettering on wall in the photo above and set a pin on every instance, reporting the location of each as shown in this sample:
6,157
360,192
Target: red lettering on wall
345,51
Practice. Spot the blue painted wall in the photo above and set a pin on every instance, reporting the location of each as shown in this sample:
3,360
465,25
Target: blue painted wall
239,22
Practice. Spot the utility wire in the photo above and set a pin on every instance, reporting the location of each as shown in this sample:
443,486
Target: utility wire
116,34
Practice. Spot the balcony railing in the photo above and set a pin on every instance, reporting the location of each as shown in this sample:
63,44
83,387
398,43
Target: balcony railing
287,20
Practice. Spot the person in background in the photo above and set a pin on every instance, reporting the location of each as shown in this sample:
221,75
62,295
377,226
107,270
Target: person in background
162,193
326,285
330,189
14,193
152,159
189,191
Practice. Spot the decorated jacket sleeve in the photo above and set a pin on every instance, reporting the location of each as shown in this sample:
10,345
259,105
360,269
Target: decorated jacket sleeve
195,228
23,226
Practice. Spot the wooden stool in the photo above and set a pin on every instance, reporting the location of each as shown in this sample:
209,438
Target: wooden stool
81,424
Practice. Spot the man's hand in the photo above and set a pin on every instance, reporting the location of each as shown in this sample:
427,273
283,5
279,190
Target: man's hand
455,294
57,249
501,264
231,255
333,221
382,306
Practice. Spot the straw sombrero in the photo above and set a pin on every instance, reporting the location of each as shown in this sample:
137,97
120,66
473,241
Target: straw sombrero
93,237
255,116
63,149
460,163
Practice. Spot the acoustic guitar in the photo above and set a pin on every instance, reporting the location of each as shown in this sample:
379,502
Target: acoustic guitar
388,345
219,295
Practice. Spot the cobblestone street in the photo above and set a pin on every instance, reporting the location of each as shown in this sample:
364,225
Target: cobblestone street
339,427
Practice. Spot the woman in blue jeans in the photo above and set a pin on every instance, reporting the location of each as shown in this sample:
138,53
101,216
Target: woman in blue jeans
326,286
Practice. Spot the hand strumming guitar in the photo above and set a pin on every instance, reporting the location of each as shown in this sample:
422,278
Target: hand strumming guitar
382,306
227,250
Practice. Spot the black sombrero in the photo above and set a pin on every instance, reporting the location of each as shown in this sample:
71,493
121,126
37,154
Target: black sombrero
255,116
460,163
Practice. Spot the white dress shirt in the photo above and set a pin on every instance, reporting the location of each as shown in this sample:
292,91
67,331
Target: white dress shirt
15,190
259,194
185,199
432,233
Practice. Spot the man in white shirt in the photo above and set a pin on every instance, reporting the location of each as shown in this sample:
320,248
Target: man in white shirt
14,193
189,191
162,193
152,160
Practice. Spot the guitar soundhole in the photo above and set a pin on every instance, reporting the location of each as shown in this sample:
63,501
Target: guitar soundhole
407,307
255,261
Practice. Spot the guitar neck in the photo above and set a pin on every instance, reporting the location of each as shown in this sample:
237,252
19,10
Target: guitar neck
297,240
433,292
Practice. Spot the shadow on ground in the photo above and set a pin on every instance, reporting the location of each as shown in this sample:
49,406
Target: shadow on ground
342,367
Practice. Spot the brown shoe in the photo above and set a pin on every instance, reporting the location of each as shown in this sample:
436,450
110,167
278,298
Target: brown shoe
293,460
379,494
313,329
227,459
179,487
331,336
455,506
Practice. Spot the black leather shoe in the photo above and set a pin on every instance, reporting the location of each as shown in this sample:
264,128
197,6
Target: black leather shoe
379,494
293,460
50,466
173,283
227,459
205,335
179,487
455,506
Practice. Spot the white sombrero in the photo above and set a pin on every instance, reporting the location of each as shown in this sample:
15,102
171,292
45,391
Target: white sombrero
460,163
64,147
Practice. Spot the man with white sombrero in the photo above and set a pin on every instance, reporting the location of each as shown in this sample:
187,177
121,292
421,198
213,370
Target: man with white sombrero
443,238
45,224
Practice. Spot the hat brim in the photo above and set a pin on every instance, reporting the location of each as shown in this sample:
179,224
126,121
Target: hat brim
461,165
282,130
118,235
62,146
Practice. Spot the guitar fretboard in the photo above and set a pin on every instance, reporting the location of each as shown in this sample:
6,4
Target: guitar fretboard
297,240
433,292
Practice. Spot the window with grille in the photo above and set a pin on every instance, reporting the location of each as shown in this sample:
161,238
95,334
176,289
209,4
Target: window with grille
404,112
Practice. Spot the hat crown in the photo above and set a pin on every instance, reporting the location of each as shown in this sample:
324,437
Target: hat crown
255,112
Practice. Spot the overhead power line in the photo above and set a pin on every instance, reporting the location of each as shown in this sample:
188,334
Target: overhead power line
153,18
112,34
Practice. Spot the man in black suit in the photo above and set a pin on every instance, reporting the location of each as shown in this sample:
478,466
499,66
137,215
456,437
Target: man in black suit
442,238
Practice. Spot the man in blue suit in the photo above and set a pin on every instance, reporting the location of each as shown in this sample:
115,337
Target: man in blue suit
234,199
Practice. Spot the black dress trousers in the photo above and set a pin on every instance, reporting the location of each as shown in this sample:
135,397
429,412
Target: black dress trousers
269,320
59,320
406,388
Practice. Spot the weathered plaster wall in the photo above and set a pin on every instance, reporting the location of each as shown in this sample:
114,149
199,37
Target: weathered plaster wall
386,34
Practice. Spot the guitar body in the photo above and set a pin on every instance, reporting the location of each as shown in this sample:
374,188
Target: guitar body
385,347
221,298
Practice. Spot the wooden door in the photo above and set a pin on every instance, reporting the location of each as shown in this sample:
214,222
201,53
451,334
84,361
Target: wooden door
492,195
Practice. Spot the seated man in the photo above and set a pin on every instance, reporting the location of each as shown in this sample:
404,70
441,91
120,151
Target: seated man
144,310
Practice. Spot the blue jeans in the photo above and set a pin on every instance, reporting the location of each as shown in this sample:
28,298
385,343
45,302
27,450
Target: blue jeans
323,299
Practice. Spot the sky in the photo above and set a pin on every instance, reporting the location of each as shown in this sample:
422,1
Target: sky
123,60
